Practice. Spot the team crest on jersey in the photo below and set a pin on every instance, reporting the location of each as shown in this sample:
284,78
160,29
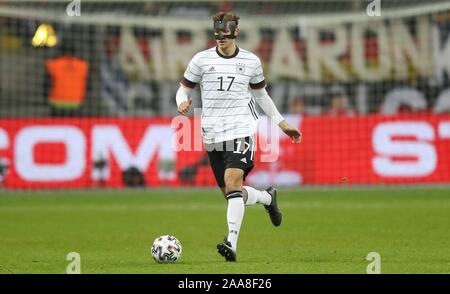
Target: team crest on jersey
240,67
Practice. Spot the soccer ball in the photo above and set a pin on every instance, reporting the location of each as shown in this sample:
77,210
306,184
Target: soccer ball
166,249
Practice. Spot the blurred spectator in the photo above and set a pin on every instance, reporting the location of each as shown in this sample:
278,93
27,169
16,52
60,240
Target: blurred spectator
403,100
4,166
68,75
442,104
297,106
190,11
226,6
339,102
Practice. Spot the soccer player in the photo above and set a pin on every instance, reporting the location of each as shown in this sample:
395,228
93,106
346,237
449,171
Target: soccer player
231,80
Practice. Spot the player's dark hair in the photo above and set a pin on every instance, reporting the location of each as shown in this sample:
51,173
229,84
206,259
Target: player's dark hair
226,16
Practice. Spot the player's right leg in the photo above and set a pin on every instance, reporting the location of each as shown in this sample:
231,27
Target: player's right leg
235,212
235,209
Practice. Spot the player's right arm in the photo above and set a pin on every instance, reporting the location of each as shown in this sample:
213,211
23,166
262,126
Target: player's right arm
191,77
183,99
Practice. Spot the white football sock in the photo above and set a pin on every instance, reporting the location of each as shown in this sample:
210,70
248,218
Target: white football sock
255,196
235,215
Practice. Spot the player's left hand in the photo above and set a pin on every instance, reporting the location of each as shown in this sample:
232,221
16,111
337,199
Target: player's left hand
292,132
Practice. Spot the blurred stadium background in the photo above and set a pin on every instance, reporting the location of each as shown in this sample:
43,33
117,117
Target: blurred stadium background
87,91
86,109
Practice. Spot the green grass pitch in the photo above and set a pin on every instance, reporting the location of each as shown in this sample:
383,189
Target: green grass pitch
323,231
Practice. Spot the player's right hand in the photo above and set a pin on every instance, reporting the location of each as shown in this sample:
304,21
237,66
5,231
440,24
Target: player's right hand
184,107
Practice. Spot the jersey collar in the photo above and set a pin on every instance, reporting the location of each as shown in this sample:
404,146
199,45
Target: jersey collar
227,57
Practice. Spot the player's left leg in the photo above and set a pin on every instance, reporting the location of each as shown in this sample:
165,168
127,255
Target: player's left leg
242,157
253,196
268,198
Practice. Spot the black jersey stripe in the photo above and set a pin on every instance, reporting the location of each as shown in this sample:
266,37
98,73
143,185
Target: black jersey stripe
239,83
223,131
226,72
225,115
253,103
254,107
244,58
209,65
194,73
252,111
225,107
224,98
256,112
215,90
197,65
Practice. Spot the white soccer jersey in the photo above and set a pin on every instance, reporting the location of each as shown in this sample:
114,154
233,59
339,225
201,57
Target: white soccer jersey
228,108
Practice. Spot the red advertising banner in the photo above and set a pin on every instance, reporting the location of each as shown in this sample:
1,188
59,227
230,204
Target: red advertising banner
86,152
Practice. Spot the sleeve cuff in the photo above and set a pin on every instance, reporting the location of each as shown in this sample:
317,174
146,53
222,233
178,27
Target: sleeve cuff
259,85
185,82
277,119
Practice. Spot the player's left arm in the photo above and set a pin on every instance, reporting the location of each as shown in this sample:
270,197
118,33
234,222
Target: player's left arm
265,102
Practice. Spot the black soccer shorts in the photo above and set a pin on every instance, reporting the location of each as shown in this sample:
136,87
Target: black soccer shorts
237,153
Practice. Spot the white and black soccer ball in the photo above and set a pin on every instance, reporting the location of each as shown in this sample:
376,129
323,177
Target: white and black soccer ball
166,249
